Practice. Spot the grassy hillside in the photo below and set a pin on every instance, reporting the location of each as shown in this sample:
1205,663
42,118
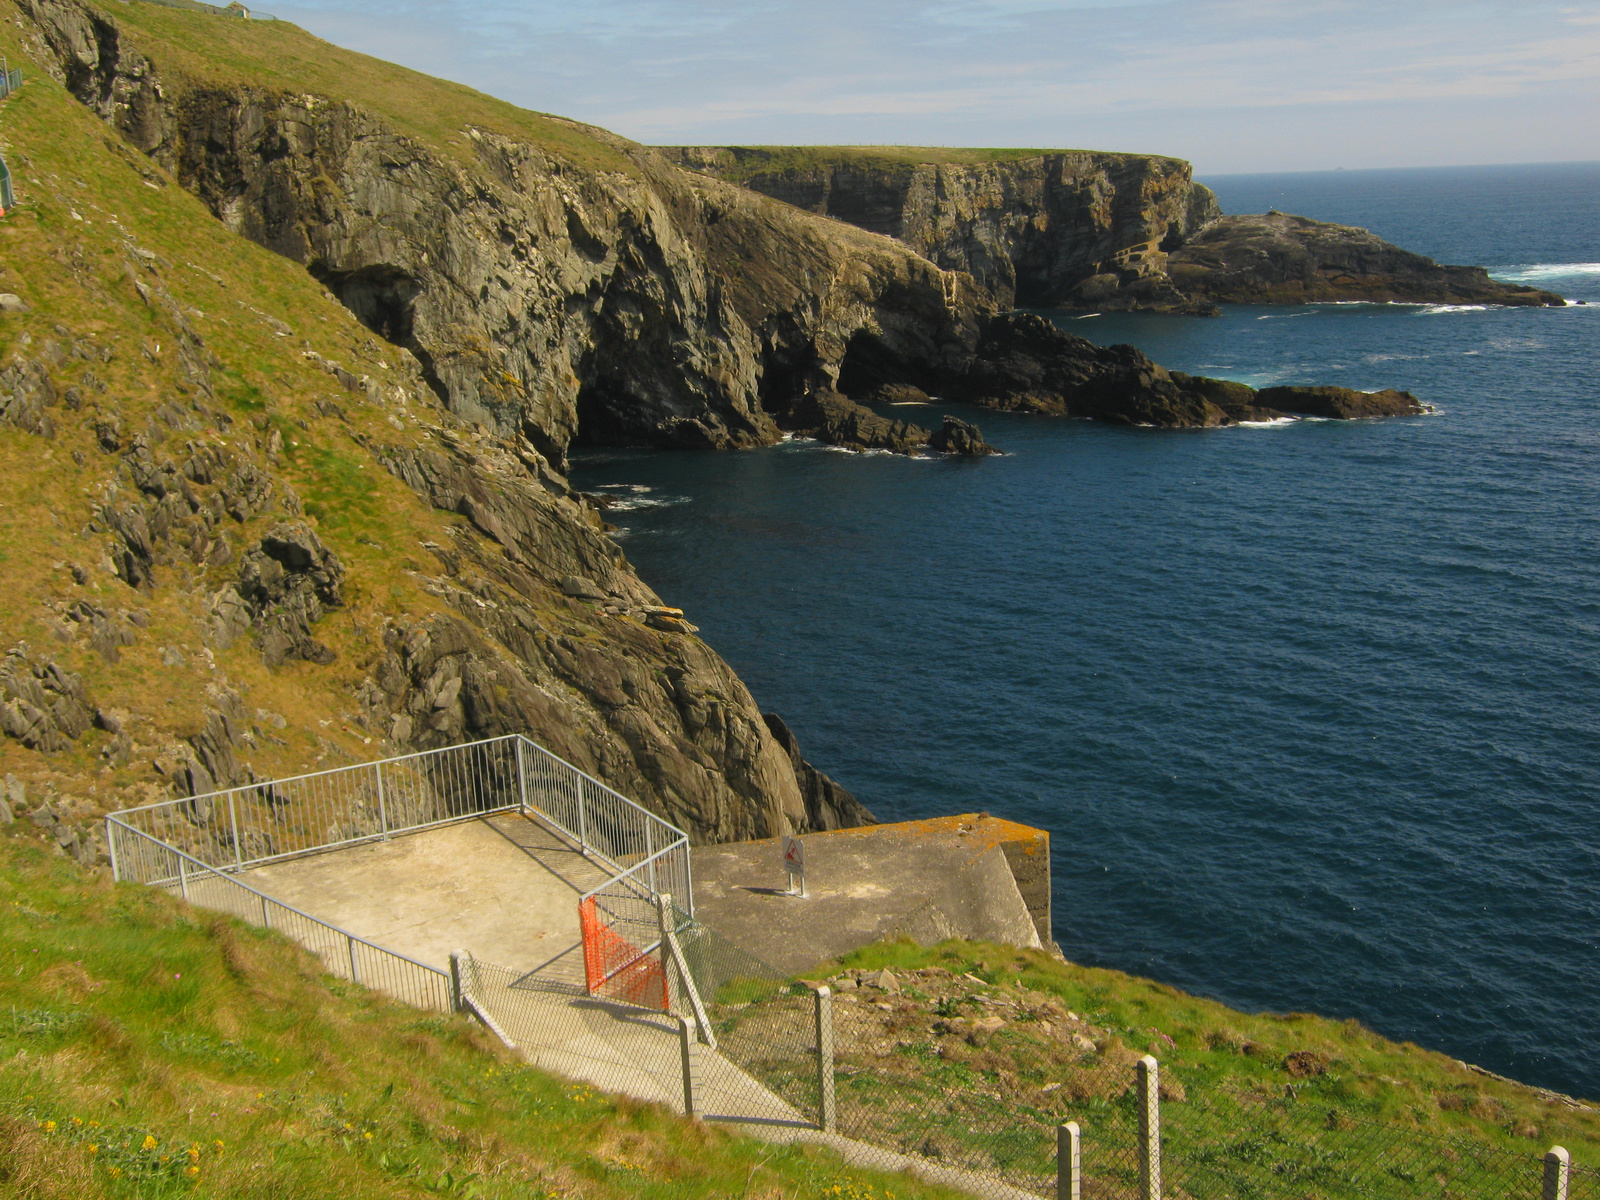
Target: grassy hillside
1291,1103
96,221
203,48
148,1049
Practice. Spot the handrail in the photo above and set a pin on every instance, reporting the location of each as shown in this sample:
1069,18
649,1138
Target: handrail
640,865
361,766
235,881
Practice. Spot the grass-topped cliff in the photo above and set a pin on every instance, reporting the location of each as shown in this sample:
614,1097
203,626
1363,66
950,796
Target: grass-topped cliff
1091,229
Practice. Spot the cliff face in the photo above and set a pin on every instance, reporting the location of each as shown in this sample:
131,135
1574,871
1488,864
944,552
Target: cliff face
1031,229
243,537
303,487
636,305
1091,230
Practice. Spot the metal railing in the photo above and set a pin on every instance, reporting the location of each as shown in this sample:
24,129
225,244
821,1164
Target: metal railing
343,953
8,198
258,823
10,79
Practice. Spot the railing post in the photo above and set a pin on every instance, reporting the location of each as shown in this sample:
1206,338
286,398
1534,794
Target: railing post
689,1050
1149,1128
233,822
1557,1173
583,819
183,879
522,780
355,971
826,1117
266,921
457,975
649,853
383,808
111,849
1069,1162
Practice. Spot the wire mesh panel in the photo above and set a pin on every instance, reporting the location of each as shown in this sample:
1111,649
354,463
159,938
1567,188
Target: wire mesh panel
1230,1144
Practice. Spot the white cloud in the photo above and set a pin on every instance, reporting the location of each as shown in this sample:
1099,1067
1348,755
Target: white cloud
1240,83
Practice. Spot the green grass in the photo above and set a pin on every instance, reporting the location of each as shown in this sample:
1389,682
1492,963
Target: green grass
1258,1101
152,1050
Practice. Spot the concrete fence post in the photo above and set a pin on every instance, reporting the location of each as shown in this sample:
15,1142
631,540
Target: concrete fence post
457,974
1149,1128
522,778
1069,1162
1557,1173
689,1049
827,1117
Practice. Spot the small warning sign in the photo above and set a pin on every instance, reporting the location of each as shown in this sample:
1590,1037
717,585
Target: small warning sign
794,862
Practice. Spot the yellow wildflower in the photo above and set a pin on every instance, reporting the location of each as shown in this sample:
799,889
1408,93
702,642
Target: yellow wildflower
93,1148
192,1172
77,1120
367,1135
150,1142
114,1172
194,1153
49,1126
217,1143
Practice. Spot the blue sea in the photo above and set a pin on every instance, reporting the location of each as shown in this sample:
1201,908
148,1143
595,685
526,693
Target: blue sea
1311,709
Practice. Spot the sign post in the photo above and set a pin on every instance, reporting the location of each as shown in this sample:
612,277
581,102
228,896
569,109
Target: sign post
794,862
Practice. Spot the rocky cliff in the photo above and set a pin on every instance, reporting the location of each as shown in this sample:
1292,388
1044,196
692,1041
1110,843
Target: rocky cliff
1078,229
296,497
1030,226
1281,259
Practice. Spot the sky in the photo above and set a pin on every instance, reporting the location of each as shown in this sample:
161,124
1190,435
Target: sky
1232,85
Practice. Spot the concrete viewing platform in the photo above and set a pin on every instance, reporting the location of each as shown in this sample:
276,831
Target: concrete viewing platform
504,888
972,876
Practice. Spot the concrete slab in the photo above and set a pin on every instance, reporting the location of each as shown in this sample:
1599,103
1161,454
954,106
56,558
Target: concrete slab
928,880
504,888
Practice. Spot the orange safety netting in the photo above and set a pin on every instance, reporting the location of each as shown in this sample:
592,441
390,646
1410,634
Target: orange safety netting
614,967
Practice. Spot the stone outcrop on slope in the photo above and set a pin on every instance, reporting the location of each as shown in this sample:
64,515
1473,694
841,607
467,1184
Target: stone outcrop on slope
1031,229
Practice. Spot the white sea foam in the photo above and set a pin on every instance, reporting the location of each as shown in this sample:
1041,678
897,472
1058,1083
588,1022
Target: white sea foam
1527,272
1275,423
1433,310
1283,316
1086,316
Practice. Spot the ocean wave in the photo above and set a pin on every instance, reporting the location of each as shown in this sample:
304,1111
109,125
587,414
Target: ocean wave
1284,316
1526,272
1274,423
1086,316
1433,310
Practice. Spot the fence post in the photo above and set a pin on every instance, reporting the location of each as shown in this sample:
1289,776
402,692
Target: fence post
183,879
383,809
1069,1162
583,820
689,1049
1557,1173
827,1118
457,990
355,971
233,821
522,780
1149,1128
111,850
266,921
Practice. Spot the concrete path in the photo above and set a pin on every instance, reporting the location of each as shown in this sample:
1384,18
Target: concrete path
504,888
